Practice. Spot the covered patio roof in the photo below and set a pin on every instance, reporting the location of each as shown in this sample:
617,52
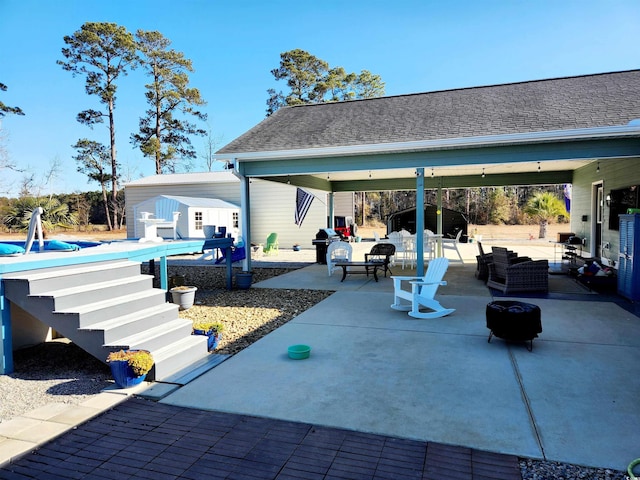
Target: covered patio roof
535,132
529,133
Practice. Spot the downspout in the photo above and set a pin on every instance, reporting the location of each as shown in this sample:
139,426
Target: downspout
420,222
330,219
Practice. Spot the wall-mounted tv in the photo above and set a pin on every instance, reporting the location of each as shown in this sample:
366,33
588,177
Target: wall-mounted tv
621,200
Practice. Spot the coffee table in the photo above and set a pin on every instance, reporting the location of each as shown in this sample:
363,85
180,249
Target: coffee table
361,268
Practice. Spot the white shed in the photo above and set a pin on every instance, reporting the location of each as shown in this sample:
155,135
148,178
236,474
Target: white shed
195,213
272,204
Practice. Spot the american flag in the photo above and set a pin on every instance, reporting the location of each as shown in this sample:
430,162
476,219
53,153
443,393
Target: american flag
303,202
567,196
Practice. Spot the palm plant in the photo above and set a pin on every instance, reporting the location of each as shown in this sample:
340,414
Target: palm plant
56,215
545,207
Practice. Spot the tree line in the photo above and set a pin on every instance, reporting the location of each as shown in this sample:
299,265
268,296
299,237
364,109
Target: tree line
480,206
61,212
513,205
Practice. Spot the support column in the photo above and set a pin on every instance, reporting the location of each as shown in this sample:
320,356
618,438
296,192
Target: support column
330,219
6,342
419,222
164,279
439,215
245,214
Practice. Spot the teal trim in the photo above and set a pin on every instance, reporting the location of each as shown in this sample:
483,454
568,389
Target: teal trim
303,181
569,150
475,180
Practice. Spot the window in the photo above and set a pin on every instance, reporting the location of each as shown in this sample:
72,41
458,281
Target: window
198,220
621,201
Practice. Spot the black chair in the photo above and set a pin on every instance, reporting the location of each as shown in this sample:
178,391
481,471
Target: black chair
483,259
381,253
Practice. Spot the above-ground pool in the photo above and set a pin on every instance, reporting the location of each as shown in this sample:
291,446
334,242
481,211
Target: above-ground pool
55,245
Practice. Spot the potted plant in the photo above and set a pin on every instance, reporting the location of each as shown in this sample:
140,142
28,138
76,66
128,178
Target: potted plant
244,280
184,296
211,329
130,367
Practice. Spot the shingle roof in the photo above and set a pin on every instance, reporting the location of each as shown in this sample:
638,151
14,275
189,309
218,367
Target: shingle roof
185,178
600,100
200,201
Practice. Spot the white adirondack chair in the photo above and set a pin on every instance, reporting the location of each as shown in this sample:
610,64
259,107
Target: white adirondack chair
452,244
170,224
423,291
336,252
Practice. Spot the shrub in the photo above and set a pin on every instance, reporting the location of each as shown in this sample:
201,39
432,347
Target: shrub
140,361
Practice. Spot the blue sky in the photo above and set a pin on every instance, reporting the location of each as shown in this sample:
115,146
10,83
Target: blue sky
415,46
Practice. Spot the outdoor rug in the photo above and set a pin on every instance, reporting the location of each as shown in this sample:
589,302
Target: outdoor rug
560,287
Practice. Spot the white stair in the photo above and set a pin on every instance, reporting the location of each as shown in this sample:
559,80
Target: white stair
108,306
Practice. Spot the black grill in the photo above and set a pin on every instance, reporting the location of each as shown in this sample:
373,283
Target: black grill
324,237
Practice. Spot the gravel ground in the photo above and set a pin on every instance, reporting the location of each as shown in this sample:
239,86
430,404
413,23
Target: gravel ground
40,377
248,315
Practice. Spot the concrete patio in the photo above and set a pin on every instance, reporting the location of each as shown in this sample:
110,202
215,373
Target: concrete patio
377,372
572,399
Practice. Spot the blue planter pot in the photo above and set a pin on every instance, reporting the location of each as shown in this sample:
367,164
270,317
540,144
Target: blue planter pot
123,375
212,339
244,280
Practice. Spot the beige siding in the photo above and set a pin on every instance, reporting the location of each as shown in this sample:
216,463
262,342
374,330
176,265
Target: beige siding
344,204
273,210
